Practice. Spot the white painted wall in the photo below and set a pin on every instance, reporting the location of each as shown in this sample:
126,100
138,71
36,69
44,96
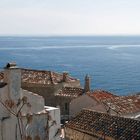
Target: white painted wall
45,124
36,101
3,98
13,78
43,119
54,123
9,129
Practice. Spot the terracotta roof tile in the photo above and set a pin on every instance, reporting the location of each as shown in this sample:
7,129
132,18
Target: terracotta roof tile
70,92
102,94
124,104
43,77
104,125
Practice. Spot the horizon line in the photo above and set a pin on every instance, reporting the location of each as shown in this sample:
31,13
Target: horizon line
66,35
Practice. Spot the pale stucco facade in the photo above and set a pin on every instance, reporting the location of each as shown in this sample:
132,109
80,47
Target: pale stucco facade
81,102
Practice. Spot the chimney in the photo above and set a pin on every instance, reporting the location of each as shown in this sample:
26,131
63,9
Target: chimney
12,76
87,84
51,77
65,75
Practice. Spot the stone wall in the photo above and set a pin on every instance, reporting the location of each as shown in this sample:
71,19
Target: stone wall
49,91
71,134
64,104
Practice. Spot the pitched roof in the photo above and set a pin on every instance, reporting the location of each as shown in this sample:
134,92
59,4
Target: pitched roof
70,92
101,95
103,125
124,104
41,77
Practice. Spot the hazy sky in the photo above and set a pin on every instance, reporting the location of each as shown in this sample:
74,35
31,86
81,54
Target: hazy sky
69,17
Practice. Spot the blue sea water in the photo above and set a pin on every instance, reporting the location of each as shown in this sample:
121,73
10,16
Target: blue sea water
113,62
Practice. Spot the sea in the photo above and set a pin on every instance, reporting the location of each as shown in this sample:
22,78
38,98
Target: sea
112,62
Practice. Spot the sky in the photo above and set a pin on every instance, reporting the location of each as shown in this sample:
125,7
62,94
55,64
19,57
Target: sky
69,17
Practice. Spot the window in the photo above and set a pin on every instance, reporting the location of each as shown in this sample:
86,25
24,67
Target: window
66,106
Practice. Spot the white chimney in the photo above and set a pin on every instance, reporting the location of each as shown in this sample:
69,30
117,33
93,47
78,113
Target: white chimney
12,76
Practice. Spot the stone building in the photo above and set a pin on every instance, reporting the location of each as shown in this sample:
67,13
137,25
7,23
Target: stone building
66,95
63,99
52,86
47,83
90,100
23,115
104,101
90,125
127,106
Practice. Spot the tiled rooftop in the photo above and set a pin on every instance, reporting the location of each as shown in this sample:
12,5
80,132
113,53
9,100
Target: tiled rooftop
41,77
103,125
124,104
70,92
102,94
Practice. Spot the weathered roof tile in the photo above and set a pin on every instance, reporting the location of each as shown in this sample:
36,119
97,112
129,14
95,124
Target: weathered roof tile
41,77
124,104
104,125
102,94
70,92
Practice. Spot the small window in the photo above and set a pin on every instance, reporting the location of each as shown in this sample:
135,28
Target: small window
66,106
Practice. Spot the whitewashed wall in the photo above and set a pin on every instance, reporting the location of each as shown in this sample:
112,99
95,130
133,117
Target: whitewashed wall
37,102
3,98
